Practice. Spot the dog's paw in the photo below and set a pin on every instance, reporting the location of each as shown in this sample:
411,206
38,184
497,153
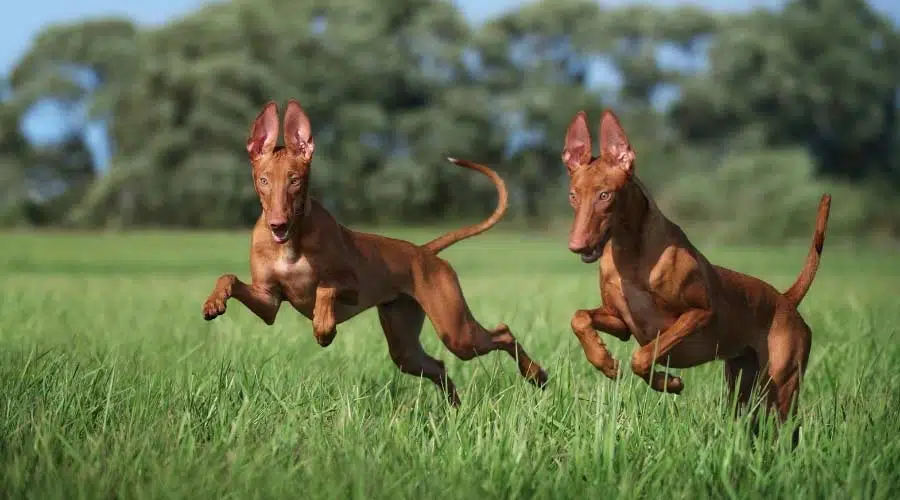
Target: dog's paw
607,365
536,375
325,339
674,385
540,378
663,382
324,328
214,307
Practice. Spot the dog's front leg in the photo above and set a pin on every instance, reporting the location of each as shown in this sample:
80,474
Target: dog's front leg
340,286
324,321
644,358
585,322
257,298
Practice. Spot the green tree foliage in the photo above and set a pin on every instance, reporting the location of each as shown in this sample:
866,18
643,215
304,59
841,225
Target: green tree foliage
395,86
819,73
14,156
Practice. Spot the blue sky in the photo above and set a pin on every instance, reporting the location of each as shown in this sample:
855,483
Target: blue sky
24,21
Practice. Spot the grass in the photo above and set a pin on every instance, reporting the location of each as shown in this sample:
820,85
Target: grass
112,385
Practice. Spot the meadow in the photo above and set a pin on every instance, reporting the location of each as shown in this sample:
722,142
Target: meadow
113,386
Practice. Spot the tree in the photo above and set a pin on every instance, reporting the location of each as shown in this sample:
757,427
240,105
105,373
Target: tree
14,152
534,63
647,39
364,73
821,73
393,87
65,67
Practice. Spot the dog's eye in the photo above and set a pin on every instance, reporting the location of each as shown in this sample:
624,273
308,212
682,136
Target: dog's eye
604,196
572,196
263,181
295,181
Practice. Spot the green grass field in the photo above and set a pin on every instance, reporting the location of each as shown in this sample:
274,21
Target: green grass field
113,386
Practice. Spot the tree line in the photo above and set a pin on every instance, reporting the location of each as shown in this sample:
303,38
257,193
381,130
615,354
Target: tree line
739,120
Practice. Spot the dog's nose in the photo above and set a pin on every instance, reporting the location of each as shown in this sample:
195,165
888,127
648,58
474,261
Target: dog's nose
278,226
577,245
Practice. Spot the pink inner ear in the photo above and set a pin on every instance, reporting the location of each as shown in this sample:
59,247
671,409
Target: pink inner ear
614,142
618,151
298,124
297,130
578,141
256,142
264,132
577,151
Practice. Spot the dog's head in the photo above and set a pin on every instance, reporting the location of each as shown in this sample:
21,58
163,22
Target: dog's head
281,174
595,182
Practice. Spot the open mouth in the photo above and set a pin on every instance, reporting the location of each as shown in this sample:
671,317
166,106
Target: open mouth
595,252
282,233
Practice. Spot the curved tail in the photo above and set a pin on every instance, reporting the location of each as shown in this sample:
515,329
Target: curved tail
798,290
445,240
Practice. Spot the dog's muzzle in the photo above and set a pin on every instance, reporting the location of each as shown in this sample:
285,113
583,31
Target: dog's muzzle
281,232
593,253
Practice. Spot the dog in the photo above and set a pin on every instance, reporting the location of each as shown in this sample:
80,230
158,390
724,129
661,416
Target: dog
301,255
656,286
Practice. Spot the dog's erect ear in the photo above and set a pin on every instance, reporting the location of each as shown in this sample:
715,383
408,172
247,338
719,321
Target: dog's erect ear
298,131
263,132
577,151
614,146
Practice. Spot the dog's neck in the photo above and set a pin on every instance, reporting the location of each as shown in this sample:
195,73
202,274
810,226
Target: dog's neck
634,208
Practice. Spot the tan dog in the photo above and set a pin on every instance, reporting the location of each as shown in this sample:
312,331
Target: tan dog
658,287
329,273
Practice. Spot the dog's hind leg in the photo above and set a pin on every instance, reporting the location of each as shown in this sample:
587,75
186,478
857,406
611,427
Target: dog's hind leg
401,320
783,394
788,343
788,348
503,339
442,299
741,375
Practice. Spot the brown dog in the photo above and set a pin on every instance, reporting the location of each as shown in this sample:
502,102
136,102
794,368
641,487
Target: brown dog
329,273
657,286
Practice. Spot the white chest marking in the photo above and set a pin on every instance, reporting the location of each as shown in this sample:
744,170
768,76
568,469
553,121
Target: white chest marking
295,270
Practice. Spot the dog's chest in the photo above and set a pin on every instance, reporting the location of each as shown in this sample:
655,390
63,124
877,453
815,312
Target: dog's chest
638,307
298,280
